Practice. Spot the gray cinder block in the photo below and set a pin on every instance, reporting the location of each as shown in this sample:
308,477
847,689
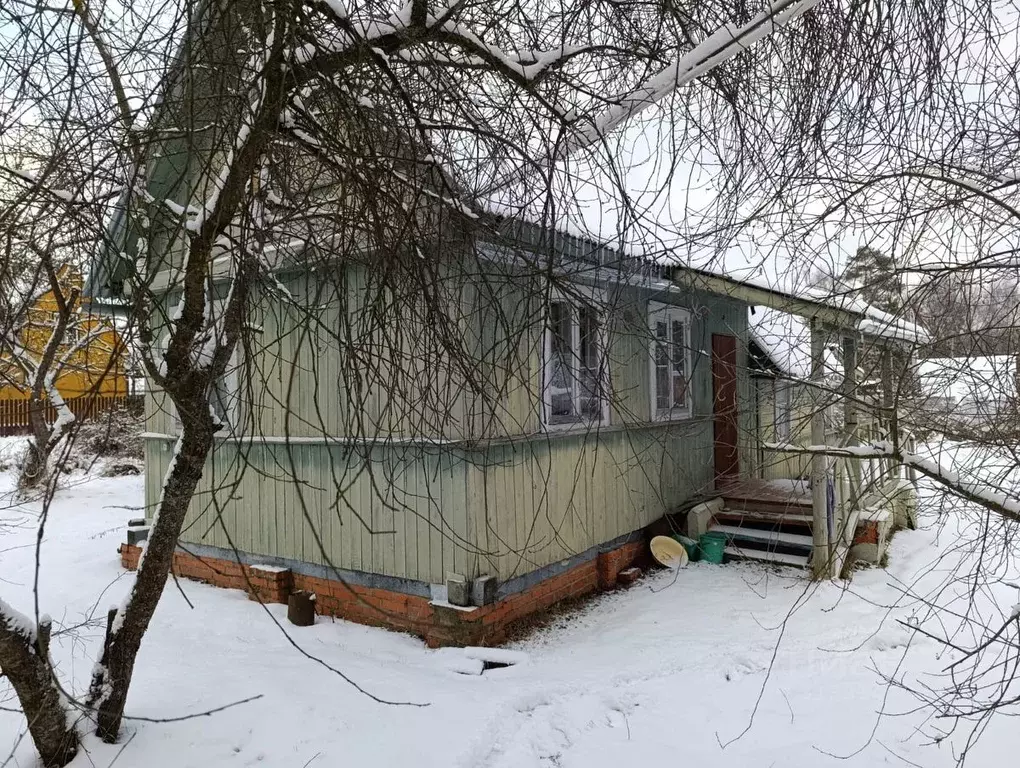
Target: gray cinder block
137,534
483,590
458,590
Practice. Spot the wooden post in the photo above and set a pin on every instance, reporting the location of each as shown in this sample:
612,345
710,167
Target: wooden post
851,436
888,403
821,558
301,608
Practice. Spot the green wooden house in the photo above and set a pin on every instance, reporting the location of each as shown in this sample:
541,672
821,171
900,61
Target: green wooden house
451,494
447,444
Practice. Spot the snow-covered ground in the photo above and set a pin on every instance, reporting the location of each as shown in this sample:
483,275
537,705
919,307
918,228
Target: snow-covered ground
673,671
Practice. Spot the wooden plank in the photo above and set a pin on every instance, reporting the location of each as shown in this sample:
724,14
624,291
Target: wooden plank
340,496
477,535
302,495
422,520
435,512
777,558
769,537
456,493
404,501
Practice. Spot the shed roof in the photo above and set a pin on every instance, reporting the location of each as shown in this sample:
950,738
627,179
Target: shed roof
786,340
844,310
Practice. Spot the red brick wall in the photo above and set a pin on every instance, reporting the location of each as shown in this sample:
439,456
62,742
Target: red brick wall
438,625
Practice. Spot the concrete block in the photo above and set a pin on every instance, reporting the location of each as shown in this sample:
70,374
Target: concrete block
138,521
872,537
628,576
700,517
458,589
137,534
483,590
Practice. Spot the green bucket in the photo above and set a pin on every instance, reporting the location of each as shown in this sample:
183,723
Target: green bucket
693,550
712,545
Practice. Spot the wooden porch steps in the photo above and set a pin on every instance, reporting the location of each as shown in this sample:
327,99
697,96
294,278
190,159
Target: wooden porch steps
766,521
777,558
784,540
766,542
741,517
770,538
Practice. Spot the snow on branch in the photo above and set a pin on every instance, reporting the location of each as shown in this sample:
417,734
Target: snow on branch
977,492
723,44
30,179
411,25
14,622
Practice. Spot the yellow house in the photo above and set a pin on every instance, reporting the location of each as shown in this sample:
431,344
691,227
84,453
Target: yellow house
89,362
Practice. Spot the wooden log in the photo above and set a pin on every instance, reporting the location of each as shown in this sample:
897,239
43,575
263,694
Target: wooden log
301,608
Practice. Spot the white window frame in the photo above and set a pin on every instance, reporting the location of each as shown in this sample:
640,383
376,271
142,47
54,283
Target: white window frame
549,422
670,313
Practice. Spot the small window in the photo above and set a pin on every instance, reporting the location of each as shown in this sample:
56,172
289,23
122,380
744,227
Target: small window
573,391
783,413
671,362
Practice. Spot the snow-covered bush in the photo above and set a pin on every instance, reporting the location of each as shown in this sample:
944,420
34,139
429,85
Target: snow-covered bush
112,442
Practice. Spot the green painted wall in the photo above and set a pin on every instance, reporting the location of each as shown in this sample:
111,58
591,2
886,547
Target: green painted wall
775,465
482,490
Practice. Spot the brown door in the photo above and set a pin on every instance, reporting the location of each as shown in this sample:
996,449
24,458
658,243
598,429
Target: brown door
724,394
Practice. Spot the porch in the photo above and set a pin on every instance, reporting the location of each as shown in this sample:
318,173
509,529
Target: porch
866,500
816,497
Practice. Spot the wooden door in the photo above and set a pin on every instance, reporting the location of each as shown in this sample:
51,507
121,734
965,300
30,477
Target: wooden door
724,408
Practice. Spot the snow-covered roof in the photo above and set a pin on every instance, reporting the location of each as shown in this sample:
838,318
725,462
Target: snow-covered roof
786,339
591,202
732,265
614,186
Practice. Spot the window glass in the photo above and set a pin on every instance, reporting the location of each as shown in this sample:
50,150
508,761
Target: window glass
560,379
573,364
588,375
671,362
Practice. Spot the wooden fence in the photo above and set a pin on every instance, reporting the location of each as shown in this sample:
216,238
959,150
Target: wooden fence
14,413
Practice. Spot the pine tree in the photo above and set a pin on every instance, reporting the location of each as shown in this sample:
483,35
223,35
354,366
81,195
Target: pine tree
875,278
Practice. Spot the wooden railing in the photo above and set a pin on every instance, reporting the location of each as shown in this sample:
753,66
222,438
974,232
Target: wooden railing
853,482
14,413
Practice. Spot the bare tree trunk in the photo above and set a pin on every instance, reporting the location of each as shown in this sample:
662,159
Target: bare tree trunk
24,660
112,679
34,466
42,443
37,454
187,381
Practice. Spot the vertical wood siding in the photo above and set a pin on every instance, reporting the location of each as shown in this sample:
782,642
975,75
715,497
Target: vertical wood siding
510,502
418,514
397,511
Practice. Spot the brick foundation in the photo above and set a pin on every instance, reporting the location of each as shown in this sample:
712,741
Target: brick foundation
437,624
866,533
